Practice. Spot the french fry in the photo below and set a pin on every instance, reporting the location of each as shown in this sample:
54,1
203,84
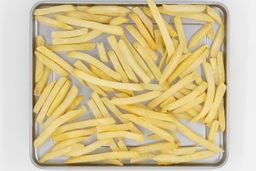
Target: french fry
73,134
156,87
220,92
53,23
173,89
221,69
160,22
120,127
112,162
167,101
188,98
143,30
108,10
112,144
136,99
100,104
102,52
212,13
92,60
163,134
210,33
213,62
123,134
51,64
174,159
180,32
146,21
161,124
111,84
72,47
84,124
185,91
103,156
63,106
53,154
40,85
118,21
221,117
40,102
39,67
116,30
132,62
53,126
149,52
69,33
78,39
87,149
170,67
199,35
136,35
183,150
210,92
170,30
159,42
163,61
49,100
122,145
82,7
213,130
89,17
186,63
153,147
129,72
142,157
75,103
218,40
184,8
100,74
94,108
54,9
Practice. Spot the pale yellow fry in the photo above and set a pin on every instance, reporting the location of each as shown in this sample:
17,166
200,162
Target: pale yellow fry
147,11
73,134
52,127
198,78
222,117
118,21
137,35
186,63
173,63
51,64
154,147
198,139
92,60
220,92
163,60
63,106
210,92
108,10
72,47
40,102
221,69
113,146
75,103
213,130
167,101
53,23
111,84
163,134
184,57
54,9
210,33
180,31
185,91
82,7
146,21
103,156
154,137
172,90
94,108
101,74
54,57
123,134
213,62
199,35
116,30
102,52
142,157
170,30
69,33
40,85
87,149
159,42
89,17
183,150
160,22
84,124
147,51
169,158
132,62
55,90
39,67
100,104
184,8
148,60
188,98
112,162
143,30
218,40
156,87
67,143
121,145
200,59
212,13
119,127
78,39
129,72
161,124
54,154
183,116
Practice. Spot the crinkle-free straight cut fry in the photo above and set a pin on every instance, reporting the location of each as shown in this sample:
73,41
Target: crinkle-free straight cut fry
118,84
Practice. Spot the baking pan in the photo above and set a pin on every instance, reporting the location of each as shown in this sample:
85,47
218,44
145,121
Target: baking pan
190,26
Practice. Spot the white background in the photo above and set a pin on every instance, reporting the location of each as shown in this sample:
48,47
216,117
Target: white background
14,85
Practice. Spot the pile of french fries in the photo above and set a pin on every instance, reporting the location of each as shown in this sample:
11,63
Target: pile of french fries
152,82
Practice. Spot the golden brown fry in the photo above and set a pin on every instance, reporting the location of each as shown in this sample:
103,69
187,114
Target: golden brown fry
53,23
54,9
89,17
72,47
